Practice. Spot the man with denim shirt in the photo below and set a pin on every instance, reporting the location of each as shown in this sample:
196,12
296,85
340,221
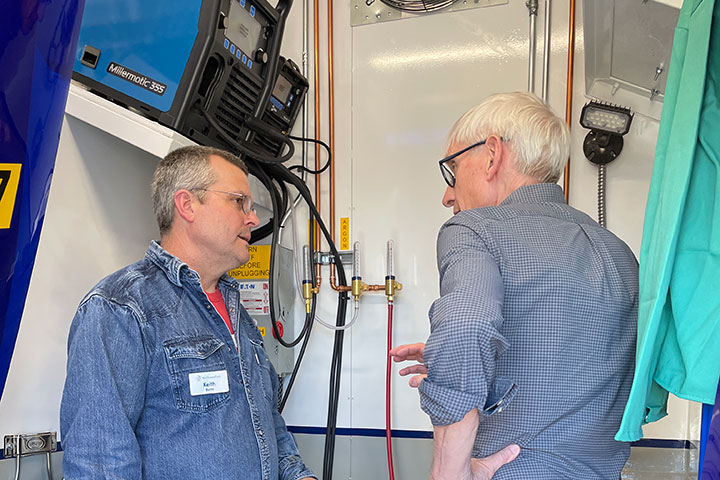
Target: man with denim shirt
167,377
533,337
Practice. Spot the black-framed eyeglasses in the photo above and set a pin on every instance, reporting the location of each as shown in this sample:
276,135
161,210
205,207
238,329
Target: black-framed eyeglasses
447,173
243,201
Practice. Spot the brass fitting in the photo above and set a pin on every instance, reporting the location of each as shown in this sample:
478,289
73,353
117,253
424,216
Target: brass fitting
391,286
358,286
308,292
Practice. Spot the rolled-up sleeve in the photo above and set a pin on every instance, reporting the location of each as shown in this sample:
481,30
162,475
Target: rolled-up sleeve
465,342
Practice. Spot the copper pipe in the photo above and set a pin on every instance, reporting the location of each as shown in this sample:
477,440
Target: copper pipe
376,288
331,126
316,61
569,92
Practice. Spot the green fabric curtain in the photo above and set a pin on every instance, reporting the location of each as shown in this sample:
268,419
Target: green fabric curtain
678,347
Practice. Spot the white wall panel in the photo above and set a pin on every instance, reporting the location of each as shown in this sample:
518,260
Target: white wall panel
98,219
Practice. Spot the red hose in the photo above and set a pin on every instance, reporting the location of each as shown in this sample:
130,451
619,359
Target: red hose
388,433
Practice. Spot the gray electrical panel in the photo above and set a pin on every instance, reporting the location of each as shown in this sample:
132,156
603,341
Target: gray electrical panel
255,297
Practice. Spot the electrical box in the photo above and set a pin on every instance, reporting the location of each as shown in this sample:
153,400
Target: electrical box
255,297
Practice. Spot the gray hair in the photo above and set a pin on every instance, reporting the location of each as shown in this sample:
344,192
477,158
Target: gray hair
539,139
187,168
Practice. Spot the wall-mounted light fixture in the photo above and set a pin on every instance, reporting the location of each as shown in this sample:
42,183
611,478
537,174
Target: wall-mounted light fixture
604,142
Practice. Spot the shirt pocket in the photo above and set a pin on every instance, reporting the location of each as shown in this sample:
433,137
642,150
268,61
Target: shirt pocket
186,356
265,372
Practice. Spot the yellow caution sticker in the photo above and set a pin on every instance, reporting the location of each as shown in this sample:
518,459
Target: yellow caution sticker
262,331
345,233
257,267
9,180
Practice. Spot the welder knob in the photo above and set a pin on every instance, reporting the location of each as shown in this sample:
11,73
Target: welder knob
261,56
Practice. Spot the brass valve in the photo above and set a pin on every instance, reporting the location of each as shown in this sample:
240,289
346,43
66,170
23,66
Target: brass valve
358,287
391,286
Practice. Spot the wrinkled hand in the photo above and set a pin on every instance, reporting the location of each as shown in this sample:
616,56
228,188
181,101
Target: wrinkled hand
414,352
485,468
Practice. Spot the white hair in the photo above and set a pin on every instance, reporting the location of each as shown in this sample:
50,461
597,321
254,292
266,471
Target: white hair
539,139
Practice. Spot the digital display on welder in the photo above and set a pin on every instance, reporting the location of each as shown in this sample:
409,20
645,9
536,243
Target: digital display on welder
282,89
243,30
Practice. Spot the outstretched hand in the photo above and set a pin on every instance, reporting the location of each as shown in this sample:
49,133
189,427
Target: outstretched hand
412,352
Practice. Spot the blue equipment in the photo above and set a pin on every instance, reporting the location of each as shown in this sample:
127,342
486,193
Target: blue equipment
201,67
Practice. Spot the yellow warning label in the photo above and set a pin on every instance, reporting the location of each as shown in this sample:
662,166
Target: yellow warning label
262,331
257,267
345,233
9,180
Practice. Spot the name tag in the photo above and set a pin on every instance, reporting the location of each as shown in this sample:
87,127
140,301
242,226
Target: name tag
205,383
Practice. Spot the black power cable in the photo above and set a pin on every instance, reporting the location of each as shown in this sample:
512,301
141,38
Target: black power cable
309,320
336,364
267,168
319,142
253,152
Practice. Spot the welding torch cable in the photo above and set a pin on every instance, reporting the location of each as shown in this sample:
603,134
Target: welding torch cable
316,141
263,176
281,172
388,374
301,354
340,327
245,149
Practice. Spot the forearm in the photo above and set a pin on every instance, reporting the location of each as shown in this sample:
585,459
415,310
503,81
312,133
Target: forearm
453,448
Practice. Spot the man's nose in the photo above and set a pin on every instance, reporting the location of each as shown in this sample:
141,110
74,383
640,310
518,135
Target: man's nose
252,219
448,199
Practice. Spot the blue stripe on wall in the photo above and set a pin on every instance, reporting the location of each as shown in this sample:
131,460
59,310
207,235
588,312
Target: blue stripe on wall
376,432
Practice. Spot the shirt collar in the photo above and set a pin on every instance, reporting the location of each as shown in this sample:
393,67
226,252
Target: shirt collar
536,193
174,267
167,262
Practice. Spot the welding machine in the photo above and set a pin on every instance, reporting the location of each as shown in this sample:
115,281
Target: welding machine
201,67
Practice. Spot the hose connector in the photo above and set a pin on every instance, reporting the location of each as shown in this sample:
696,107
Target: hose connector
308,292
307,288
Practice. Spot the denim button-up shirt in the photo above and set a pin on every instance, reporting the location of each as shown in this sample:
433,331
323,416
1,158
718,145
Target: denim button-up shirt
137,342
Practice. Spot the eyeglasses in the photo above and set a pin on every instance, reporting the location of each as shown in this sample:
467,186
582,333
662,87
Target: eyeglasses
243,201
448,174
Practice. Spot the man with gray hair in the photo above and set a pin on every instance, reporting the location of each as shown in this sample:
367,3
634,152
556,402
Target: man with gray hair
167,377
533,337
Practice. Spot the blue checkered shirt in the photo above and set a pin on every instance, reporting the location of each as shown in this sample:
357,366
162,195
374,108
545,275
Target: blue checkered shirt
535,327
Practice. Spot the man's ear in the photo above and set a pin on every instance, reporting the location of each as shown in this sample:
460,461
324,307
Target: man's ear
496,158
185,205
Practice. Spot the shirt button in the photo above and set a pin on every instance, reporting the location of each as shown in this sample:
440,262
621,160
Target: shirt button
207,305
260,432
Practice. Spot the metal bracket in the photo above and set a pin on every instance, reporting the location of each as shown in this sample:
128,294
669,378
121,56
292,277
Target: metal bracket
326,258
30,444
